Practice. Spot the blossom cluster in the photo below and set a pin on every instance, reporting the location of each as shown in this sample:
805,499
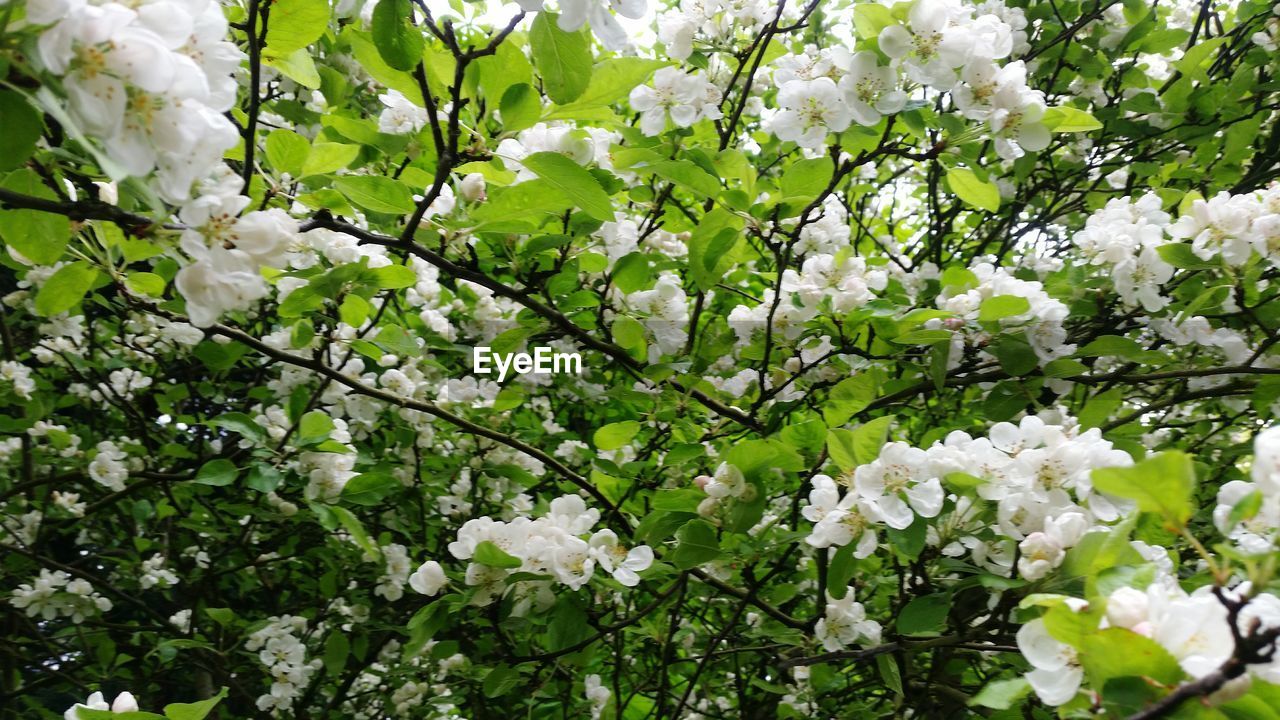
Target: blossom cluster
283,653
1044,320
551,545
1193,627
1031,481
844,623
713,23
943,46
1127,233
229,249
576,13
150,81
683,97
54,594
1254,532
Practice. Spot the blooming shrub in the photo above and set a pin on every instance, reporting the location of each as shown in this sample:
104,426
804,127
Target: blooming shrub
928,359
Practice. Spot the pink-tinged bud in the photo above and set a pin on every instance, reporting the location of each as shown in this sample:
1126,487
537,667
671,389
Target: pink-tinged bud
472,188
953,323
701,481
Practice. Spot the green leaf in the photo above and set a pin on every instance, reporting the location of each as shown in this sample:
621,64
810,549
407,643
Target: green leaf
629,334
1067,119
681,500
489,554
696,544
295,24
314,427
711,247
1193,61
394,339
870,18
371,60
287,151
38,236
1117,652
999,307
354,310
399,42
1098,551
806,179
1120,347
395,277
1001,694
521,107
218,357
840,570
327,157
963,483
1065,367
336,650
573,180
1099,408
848,398
888,666
1180,255
562,58
840,448
611,80
869,437
508,66
926,615
568,625
65,288
297,66
686,174
851,448
519,204
661,524
193,711
1163,484
217,472
263,478
355,528
22,128
239,423
966,185
1070,626
220,615
615,435
500,681
923,337
369,488
376,193
910,541
145,283
1015,354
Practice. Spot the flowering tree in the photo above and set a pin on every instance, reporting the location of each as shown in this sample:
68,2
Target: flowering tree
928,352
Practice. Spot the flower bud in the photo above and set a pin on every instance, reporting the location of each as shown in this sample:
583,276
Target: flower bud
1127,607
472,188
124,703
